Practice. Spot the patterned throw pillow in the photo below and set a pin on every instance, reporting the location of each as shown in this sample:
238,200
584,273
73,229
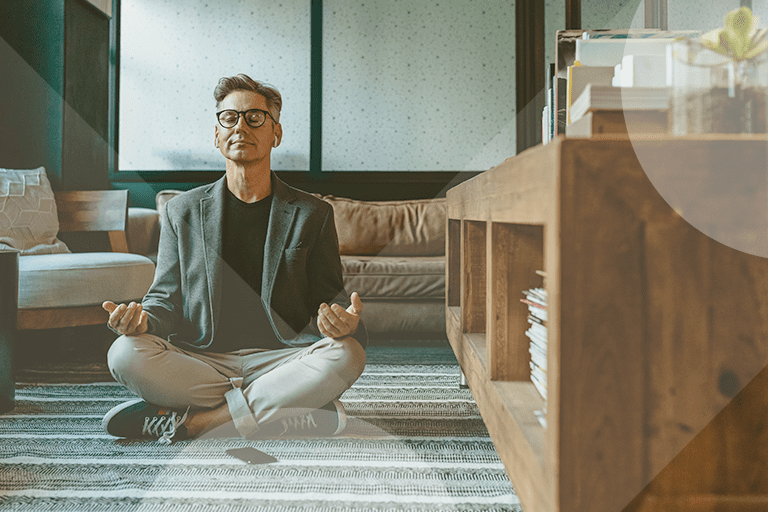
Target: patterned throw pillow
28,219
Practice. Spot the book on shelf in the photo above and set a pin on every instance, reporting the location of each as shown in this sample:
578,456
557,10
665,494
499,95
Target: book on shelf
580,76
539,373
549,116
607,97
619,122
536,300
539,359
539,387
538,338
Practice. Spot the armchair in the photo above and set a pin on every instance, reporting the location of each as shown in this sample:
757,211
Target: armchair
66,290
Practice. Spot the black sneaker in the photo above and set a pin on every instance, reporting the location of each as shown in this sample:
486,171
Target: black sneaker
139,419
329,420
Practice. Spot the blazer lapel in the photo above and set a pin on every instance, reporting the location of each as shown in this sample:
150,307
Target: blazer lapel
212,214
281,217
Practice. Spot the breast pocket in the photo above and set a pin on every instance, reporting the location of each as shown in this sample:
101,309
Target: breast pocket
293,274
296,258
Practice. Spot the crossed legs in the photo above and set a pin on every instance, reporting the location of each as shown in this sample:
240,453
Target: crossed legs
248,388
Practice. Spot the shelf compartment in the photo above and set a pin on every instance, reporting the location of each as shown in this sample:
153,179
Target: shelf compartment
453,263
516,252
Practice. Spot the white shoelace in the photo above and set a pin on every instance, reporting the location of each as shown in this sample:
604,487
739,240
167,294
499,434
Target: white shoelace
163,427
302,422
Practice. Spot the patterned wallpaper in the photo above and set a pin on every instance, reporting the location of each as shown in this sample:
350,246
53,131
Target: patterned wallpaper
702,15
172,55
418,85
623,14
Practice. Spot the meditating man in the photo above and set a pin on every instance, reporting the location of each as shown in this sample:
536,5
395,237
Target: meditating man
247,323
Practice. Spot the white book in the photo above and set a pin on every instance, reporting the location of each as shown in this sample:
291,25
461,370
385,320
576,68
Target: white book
539,360
539,342
539,313
540,387
607,97
539,349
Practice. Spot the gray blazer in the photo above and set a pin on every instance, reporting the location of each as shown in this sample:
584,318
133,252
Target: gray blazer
301,269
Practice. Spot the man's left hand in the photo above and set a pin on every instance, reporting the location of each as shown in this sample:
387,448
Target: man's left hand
336,322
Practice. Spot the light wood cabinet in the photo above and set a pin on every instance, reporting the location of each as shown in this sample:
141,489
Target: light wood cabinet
653,326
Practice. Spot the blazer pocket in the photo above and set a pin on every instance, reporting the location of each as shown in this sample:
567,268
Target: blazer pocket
296,257
295,267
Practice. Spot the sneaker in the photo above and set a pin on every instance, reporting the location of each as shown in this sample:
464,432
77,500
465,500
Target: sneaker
329,420
139,419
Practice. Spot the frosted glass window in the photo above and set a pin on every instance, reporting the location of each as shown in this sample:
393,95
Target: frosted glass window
173,54
418,86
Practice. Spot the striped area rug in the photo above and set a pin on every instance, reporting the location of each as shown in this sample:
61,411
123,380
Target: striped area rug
415,441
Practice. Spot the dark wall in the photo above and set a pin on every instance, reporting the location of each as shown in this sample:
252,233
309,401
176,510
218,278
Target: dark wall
32,85
85,152
368,185
54,65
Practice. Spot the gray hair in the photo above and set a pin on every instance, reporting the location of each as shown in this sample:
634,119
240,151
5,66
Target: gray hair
243,82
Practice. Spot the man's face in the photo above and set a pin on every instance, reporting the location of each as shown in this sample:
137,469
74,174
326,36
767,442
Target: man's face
242,143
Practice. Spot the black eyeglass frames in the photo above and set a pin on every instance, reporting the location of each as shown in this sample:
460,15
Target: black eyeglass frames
253,117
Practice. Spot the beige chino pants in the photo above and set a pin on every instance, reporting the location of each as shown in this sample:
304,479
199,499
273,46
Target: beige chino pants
258,385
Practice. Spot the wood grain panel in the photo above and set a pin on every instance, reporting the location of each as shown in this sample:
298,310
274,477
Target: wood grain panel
53,318
453,263
92,210
473,277
739,352
602,336
679,362
519,188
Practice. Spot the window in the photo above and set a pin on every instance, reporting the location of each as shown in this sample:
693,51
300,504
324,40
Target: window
406,85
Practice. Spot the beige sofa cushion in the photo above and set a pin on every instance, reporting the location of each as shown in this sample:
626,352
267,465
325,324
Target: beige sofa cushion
82,279
386,228
417,277
390,228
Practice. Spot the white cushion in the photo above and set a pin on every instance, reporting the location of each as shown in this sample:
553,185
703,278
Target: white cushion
28,218
82,279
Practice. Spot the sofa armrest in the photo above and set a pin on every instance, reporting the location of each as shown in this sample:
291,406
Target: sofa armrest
143,231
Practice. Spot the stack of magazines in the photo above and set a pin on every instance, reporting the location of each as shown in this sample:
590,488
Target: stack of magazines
536,299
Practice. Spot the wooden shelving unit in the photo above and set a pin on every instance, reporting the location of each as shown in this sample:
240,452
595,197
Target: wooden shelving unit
653,327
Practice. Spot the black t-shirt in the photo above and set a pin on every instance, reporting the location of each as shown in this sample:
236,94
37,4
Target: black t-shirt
243,322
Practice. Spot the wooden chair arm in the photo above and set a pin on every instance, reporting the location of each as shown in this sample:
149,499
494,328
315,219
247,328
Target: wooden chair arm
95,210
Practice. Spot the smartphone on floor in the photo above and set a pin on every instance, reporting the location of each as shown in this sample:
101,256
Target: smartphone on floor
251,455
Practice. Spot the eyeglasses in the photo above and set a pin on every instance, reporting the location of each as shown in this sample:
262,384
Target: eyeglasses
253,117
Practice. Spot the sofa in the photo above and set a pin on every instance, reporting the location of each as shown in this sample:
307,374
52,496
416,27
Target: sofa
393,255
67,289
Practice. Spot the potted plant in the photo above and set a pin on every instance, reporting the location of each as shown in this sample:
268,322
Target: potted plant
720,82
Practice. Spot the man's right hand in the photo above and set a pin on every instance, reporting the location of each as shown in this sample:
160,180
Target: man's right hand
127,320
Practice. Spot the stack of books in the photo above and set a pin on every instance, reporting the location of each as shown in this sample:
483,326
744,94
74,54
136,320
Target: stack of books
536,299
606,97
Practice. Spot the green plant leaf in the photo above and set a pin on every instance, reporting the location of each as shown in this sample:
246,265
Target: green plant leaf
756,50
740,21
740,38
